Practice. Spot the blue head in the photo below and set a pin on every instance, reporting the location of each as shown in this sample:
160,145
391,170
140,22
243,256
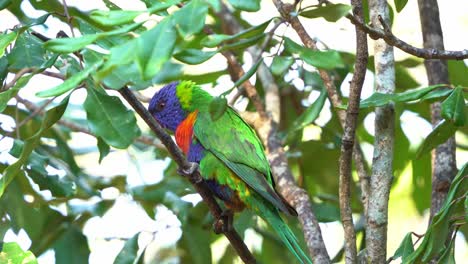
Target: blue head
165,107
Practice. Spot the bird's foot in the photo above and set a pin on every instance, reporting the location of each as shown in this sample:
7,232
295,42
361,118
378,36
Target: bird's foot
224,223
190,172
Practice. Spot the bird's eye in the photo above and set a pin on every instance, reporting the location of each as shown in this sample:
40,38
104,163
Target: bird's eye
160,106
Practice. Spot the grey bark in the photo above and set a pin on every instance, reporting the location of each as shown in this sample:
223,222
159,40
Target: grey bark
443,157
382,163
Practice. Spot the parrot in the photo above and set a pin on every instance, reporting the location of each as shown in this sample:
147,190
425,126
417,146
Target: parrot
229,154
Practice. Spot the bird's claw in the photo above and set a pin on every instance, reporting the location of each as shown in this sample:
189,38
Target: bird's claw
189,171
224,223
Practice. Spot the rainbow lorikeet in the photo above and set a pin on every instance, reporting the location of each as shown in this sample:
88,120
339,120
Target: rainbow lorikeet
231,157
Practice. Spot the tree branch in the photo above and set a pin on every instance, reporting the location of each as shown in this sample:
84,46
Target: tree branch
285,11
15,79
267,130
382,165
387,35
349,136
444,166
188,170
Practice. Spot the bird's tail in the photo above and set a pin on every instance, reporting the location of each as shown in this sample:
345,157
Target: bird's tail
271,215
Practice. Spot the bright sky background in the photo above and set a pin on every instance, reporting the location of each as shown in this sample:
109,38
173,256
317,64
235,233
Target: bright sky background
126,218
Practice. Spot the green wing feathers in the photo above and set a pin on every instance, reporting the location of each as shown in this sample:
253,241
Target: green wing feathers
232,141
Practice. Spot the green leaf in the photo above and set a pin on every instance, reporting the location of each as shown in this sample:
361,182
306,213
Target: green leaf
243,43
10,93
380,99
281,64
5,40
190,19
248,74
454,108
113,17
214,40
3,68
129,251
458,72
51,117
103,148
328,59
194,56
326,212
246,5
72,82
4,4
437,93
312,112
448,255
26,53
330,12
12,253
443,131
109,119
72,247
68,45
405,248
155,48
217,107
400,4
59,187
437,233
194,241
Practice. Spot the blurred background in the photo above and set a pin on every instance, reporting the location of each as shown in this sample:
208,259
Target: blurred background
135,194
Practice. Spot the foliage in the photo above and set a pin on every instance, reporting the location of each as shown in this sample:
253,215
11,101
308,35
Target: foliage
113,50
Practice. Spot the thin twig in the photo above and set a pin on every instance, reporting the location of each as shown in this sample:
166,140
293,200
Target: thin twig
15,79
349,136
387,35
69,19
188,169
285,11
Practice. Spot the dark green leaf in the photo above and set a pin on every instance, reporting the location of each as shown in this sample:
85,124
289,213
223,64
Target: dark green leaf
27,52
59,187
12,253
129,252
330,12
72,82
72,247
243,43
329,59
196,244
214,40
437,93
109,119
405,248
217,107
51,117
312,112
190,19
448,255
454,108
248,74
380,99
103,148
113,17
400,4
68,45
5,40
3,68
443,131
246,5
326,212
281,64
10,93
4,4
458,72
194,56
155,48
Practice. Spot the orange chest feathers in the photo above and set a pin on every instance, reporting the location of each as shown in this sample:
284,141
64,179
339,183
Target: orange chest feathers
184,132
